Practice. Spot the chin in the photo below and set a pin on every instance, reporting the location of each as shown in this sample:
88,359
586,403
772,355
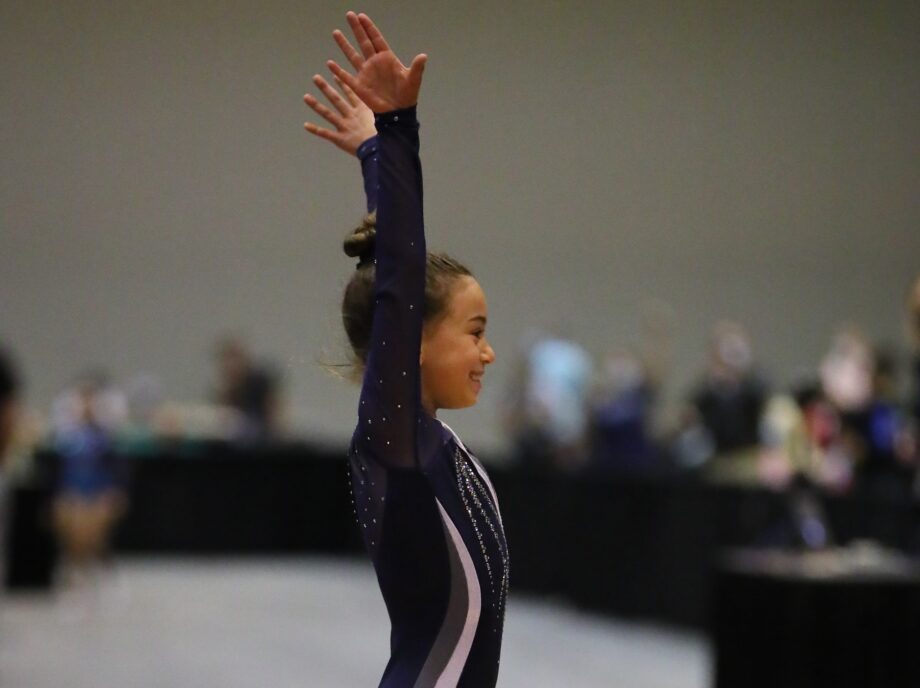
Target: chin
457,404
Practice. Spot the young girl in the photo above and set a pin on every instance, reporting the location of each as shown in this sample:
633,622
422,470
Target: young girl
416,322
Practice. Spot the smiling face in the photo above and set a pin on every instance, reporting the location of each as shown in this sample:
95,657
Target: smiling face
455,351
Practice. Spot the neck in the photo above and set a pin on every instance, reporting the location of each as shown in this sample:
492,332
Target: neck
429,406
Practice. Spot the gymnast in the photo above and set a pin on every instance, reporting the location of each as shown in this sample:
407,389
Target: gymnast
416,324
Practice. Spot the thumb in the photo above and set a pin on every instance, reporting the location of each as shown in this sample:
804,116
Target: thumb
416,69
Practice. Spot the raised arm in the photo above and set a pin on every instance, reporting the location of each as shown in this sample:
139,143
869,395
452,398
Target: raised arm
390,416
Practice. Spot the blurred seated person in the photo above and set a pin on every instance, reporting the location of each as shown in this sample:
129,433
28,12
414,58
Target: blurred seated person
250,390
730,398
90,496
851,384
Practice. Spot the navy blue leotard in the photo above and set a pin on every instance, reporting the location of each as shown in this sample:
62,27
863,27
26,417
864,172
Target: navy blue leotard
426,508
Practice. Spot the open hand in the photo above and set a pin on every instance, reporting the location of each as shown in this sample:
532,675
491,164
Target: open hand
381,80
352,120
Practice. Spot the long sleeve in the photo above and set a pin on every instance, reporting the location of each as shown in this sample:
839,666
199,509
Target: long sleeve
424,506
367,154
390,414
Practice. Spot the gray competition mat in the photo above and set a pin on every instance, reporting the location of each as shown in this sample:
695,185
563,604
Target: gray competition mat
305,623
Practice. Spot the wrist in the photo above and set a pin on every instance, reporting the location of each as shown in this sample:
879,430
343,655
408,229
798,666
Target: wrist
400,116
367,148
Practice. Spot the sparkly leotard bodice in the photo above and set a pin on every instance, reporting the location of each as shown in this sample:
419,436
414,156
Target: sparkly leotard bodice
427,511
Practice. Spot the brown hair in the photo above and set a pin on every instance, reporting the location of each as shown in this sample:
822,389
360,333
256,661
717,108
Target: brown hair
441,272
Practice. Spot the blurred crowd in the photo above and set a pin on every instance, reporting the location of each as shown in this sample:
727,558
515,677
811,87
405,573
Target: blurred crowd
850,425
241,407
80,447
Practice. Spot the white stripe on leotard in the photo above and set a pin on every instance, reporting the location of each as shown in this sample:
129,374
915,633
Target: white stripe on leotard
450,675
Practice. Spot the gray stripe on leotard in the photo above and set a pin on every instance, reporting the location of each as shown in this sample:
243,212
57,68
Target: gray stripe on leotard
448,654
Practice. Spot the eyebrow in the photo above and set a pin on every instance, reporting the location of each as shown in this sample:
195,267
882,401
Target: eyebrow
478,317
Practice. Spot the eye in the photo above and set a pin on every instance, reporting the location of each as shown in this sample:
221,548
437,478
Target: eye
478,333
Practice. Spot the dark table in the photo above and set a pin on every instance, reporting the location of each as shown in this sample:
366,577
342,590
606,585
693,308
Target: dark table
837,619
632,546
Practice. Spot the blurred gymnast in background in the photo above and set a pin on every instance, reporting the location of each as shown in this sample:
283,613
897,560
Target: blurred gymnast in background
416,324
91,496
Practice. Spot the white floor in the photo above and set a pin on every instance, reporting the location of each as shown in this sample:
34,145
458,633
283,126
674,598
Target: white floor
313,623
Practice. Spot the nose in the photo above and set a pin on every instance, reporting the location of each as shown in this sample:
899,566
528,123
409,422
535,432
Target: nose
488,354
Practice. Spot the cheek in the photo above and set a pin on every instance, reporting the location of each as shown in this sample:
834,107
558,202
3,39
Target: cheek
453,366
465,358
447,373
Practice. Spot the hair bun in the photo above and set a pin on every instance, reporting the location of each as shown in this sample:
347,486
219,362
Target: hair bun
360,243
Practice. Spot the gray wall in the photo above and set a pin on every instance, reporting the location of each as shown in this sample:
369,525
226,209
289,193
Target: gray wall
752,160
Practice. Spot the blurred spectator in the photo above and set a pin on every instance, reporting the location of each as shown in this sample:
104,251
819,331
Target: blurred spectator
885,468
913,318
90,496
621,412
248,389
623,408
691,444
846,371
861,384
828,457
9,399
913,322
785,443
546,409
731,396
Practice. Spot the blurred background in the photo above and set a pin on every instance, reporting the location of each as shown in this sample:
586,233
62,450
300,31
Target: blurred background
697,229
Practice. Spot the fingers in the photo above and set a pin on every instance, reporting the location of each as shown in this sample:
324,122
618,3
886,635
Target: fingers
337,100
322,133
373,33
342,75
416,69
352,55
364,41
322,111
353,99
